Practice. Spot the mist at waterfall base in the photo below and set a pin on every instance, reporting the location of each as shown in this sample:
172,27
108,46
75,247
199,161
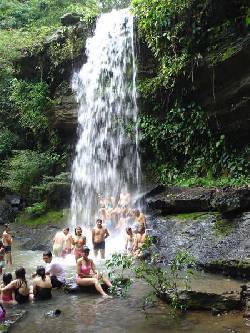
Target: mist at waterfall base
106,156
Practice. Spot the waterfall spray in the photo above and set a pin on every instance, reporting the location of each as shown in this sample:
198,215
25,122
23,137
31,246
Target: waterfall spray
106,158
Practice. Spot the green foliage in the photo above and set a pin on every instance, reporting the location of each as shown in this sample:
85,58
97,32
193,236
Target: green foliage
26,168
37,209
167,281
185,151
8,140
223,227
31,102
118,266
51,217
49,184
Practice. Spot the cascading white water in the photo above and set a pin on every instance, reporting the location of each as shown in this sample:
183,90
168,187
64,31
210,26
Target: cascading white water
106,160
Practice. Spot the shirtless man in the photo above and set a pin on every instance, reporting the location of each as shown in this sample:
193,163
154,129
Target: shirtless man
68,241
99,234
58,241
7,242
140,218
138,240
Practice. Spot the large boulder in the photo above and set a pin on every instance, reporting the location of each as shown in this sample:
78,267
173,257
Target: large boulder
171,200
7,213
70,19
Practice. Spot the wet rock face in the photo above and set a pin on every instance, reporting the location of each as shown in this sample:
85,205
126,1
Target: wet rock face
205,237
7,213
169,200
233,268
217,303
70,19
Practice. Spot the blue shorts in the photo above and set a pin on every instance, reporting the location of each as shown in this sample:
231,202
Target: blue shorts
99,246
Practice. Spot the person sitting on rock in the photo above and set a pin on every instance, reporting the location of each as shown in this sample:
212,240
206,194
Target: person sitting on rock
87,274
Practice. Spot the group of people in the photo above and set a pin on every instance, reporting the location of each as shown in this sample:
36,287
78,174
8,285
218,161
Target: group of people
64,243
52,274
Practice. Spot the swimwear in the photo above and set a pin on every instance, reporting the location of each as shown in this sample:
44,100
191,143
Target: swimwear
20,298
55,282
7,297
78,253
42,293
7,249
99,246
57,250
66,251
109,224
85,269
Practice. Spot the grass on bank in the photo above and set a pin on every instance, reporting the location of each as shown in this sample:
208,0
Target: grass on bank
50,217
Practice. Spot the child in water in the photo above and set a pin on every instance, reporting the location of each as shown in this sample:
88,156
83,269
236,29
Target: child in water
7,296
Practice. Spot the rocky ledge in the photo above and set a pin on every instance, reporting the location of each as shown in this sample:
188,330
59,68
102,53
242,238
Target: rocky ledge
217,303
171,200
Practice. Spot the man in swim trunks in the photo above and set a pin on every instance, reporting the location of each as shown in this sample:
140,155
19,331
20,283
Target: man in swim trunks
99,234
7,242
58,242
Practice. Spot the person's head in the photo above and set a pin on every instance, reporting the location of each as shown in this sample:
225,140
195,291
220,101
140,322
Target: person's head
129,231
20,273
99,223
137,212
47,257
78,231
85,251
7,227
40,271
140,229
7,278
66,231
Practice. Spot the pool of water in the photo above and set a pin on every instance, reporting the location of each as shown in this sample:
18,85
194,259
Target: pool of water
83,313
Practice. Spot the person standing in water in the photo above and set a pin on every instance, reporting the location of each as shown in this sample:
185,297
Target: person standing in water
87,274
7,242
68,241
78,241
58,241
2,253
129,240
99,234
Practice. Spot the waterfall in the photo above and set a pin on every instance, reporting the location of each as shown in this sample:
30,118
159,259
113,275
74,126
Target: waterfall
106,157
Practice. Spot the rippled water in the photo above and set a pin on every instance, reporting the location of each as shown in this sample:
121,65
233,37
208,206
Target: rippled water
83,313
